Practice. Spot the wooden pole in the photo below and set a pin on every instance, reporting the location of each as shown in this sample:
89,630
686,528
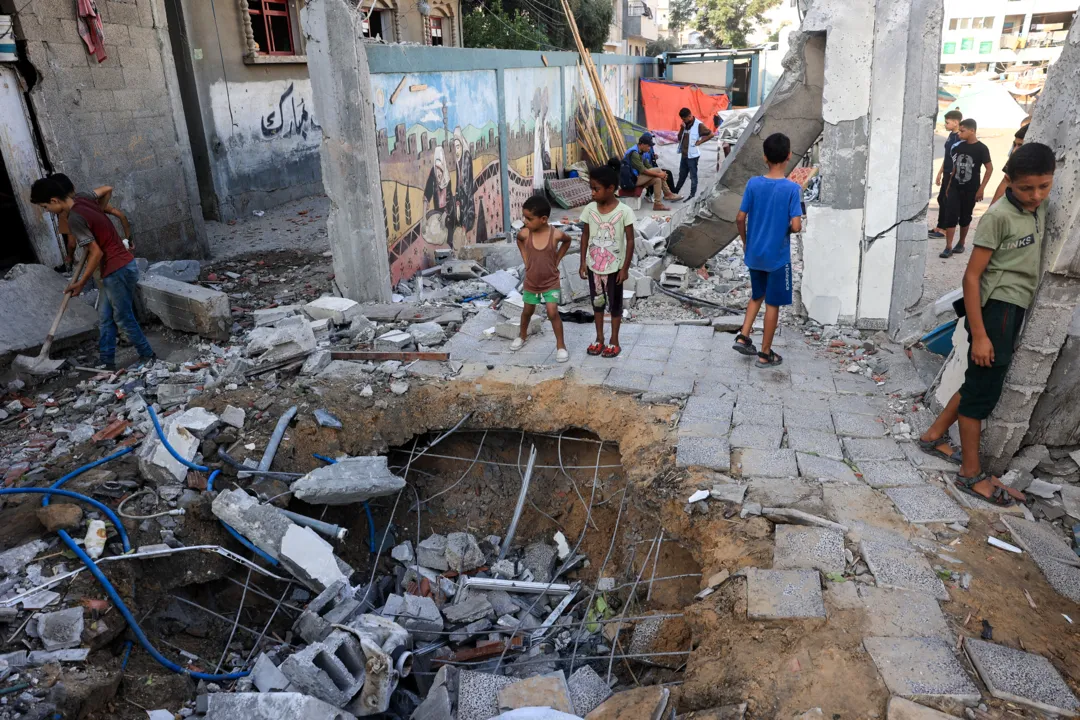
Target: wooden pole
617,142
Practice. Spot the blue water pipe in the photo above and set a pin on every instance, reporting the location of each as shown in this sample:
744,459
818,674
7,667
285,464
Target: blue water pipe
367,508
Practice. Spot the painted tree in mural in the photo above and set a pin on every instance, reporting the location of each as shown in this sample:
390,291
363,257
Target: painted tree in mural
727,23
397,222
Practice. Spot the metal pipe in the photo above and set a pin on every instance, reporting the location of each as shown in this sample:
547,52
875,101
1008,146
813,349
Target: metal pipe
229,460
275,439
518,586
656,558
526,479
335,532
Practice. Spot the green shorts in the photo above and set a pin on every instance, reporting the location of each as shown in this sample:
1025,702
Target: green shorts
548,296
982,385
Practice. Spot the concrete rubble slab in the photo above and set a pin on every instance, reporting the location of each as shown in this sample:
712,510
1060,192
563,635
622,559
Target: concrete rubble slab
899,568
337,310
539,559
890,473
185,271
331,670
751,462
427,333
786,493
760,437
267,317
311,559
316,363
271,706
859,449
1039,539
463,552
926,504
431,553
418,615
587,690
61,629
1064,578
811,548
200,421
157,464
278,343
1021,677
899,613
815,467
469,611
779,594
816,442
30,296
643,703
266,676
903,709
548,690
261,524
478,694
350,480
707,452
921,669
188,308
728,492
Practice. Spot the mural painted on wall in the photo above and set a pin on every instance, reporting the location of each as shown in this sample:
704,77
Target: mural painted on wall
438,144
621,87
534,132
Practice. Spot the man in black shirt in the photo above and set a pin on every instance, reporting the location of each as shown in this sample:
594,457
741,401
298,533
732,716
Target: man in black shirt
966,185
952,124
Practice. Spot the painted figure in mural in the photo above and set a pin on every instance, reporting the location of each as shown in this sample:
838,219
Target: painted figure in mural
466,187
541,142
439,216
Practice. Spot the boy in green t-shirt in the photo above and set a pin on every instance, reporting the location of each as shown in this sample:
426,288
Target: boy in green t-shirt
999,285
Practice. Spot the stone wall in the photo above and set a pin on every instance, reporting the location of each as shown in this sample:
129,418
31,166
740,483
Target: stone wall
118,122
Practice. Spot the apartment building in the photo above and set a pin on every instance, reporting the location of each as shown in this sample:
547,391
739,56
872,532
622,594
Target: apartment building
982,34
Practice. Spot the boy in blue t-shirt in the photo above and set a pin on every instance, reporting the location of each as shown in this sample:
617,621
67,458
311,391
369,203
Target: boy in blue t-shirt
771,210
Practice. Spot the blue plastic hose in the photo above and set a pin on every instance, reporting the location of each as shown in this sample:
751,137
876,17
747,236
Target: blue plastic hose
367,508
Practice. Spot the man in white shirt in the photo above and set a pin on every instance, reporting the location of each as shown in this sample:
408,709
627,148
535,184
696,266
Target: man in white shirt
691,134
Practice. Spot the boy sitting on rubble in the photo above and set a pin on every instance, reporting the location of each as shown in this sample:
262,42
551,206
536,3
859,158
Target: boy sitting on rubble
771,210
95,233
999,285
543,248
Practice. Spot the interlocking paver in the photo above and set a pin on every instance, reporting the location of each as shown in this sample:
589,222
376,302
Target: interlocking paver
650,353
778,594
806,400
858,426
763,437
770,492
926,504
702,427
811,548
860,404
766,463
671,385
657,336
752,413
816,467
711,388
890,473
627,381
814,442
691,337
924,461
921,668
709,408
707,452
872,449
898,567
1021,677
899,613
808,419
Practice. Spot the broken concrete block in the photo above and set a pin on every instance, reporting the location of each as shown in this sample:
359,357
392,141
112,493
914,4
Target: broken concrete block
31,294
648,228
188,308
675,277
418,615
348,481
267,317
431,553
427,333
587,690
436,706
503,281
539,559
233,416
512,328
157,464
393,340
336,605
471,610
185,271
403,553
478,694
199,421
651,267
320,329
315,363
60,630
647,703
337,310
273,344
573,286
332,670
261,524
463,552
460,270
310,558
266,676
548,690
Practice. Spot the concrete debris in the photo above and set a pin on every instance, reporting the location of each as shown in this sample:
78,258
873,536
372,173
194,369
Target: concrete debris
350,480
157,464
36,291
188,308
394,340
327,419
233,416
463,552
427,333
310,558
267,677
418,615
431,553
272,706
199,421
316,362
60,516
60,630
550,690
185,271
268,317
646,703
338,310
279,343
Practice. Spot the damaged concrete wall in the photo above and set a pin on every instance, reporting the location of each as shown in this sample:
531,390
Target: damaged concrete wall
116,122
254,128
1048,320
1056,418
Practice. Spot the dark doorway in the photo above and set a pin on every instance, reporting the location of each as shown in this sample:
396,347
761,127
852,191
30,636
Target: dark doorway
740,84
16,247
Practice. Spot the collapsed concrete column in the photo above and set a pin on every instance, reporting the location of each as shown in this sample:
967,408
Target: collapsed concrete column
341,86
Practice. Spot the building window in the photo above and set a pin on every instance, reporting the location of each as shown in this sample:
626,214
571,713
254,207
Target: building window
949,49
967,43
953,23
271,26
965,23
436,31
379,25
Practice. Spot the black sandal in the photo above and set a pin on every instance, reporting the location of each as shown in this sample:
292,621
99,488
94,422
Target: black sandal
1000,496
930,447
744,345
769,359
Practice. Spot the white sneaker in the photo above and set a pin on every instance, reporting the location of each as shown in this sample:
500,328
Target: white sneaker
517,344
562,355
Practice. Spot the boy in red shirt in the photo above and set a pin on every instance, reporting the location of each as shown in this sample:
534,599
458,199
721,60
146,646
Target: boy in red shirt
93,231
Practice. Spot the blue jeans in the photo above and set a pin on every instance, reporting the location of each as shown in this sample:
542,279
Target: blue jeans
688,166
117,307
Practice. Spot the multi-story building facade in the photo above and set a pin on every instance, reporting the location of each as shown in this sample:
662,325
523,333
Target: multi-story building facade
981,34
633,27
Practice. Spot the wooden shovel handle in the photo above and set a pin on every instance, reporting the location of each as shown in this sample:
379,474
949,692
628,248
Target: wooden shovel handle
60,313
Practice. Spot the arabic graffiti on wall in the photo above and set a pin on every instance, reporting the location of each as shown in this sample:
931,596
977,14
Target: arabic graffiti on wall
289,118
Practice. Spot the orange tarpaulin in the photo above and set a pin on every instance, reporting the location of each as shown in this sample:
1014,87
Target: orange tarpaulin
663,101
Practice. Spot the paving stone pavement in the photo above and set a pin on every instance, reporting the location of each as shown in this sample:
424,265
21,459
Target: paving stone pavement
1021,677
809,436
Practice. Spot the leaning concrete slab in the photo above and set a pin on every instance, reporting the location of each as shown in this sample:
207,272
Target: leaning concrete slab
902,709
348,481
188,308
898,613
900,568
262,524
811,548
29,298
779,594
272,706
1021,677
926,504
1039,539
921,669
350,163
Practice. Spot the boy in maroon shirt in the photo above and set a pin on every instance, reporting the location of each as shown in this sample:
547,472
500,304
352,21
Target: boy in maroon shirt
93,231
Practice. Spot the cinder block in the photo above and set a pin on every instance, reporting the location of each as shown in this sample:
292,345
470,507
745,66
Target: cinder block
1046,326
333,606
332,670
1031,366
1016,403
185,307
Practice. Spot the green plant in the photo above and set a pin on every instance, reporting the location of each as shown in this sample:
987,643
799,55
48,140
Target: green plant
727,23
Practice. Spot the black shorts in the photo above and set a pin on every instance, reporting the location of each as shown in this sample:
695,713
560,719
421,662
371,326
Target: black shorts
957,209
940,207
609,287
982,385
